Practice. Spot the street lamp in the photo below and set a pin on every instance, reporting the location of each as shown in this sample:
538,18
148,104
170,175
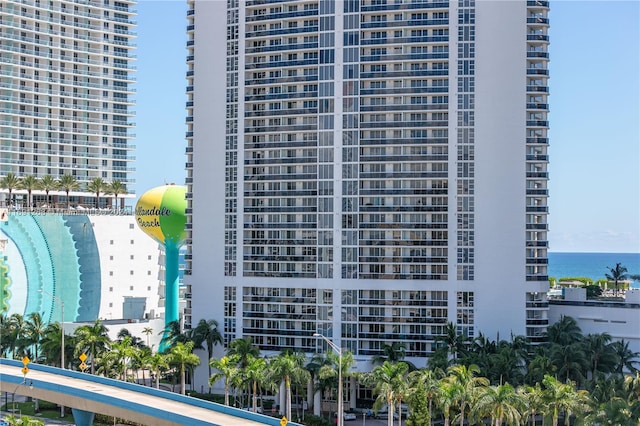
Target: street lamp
339,352
61,302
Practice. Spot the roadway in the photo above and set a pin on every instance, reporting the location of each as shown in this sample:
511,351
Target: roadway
115,398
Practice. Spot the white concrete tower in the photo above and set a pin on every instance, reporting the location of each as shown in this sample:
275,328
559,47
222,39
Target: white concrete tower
370,170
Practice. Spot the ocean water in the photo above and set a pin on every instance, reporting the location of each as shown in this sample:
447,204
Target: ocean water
592,265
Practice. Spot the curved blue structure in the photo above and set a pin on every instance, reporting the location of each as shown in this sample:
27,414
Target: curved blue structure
59,255
82,391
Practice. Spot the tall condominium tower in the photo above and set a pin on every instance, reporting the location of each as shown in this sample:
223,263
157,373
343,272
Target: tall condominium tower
370,170
65,82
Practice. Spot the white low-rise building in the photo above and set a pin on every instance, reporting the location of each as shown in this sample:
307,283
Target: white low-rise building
619,319
98,266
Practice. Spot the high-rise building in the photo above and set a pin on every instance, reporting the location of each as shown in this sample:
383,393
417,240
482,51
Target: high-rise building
66,86
371,170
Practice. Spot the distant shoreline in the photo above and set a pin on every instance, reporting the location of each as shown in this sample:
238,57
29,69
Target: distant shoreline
590,264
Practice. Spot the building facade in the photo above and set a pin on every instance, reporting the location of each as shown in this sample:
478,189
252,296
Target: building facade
619,319
66,83
100,266
371,170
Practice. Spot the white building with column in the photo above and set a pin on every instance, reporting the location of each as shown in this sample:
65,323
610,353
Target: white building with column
370,170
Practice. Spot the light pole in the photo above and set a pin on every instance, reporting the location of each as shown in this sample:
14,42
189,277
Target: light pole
61,302
339,352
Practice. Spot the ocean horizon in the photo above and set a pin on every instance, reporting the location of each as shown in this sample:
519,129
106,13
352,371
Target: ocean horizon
591,265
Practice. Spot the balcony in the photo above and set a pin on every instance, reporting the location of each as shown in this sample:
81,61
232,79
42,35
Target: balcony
544,107
537,123
537,37
537,71
538,3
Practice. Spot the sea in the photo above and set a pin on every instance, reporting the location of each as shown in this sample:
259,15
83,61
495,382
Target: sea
592,265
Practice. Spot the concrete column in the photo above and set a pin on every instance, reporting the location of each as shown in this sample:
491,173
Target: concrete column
82,418
353,392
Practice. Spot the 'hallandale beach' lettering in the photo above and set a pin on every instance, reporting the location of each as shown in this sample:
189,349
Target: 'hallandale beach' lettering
154,211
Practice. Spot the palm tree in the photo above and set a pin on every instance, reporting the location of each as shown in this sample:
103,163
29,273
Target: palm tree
632,387
10,182
16,329
122,352
97,186
626,357
13,420
51,344
615,411
395,352
468,384
182,356
29,183
288,367
455,342
140,361
427,382
93,339
502,403
4,334
255,373
538,367
147,331
171,335
385,380
34,330
419,408
135,340
601,355
243,348
157,363
227,367
617,274
328,367
206,332
570,361
564,332
447,397
392,353
68,183
116,188
560,397
533,397
48,183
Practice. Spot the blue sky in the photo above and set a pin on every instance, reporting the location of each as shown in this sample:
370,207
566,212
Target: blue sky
595,117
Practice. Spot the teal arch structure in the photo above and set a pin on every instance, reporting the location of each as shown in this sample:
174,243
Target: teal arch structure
83,392
60,257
